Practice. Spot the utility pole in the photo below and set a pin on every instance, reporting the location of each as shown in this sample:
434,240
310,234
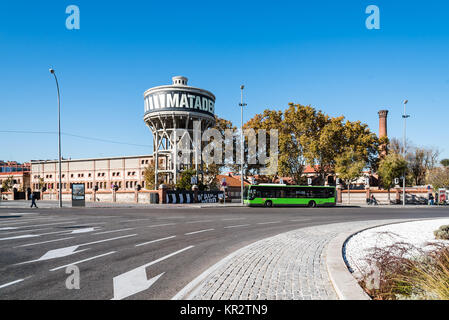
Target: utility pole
241,142
404,116
59,137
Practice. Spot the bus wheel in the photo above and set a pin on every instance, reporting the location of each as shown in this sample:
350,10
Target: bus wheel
312,204
268,204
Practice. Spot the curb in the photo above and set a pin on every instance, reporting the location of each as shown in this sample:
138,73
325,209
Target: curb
345,285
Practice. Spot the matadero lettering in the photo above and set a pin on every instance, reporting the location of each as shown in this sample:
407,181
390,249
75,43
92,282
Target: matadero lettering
176,100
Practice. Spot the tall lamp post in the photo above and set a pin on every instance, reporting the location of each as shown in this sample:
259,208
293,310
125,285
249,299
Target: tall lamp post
59,137
241,104
404,116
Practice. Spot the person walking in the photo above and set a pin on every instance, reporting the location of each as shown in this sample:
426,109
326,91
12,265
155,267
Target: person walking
373,200
33,200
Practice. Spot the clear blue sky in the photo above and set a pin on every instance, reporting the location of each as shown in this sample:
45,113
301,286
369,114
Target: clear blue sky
309,52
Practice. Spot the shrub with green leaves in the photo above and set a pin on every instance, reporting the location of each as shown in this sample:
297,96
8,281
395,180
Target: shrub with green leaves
442,233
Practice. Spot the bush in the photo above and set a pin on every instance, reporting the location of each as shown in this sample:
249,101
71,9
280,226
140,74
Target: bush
442,233
425,277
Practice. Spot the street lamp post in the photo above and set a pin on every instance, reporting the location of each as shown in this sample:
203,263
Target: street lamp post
241,142
404,116
59,137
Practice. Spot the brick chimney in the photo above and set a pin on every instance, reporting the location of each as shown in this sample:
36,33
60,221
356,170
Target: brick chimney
383,123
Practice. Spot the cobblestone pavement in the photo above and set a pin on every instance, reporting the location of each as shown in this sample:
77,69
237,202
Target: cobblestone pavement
284,267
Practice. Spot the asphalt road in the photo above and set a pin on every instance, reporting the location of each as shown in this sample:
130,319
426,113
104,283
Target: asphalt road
143,253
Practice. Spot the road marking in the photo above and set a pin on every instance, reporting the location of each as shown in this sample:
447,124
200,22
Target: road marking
67,251
29,230
37,243
20,237
269,222
10,283
37,225
110,239
84,230
84,260
135,281
48,224
237,226
8,228
135,220
56,253
153,241
160,225
194,232
199,221
233,219
111,231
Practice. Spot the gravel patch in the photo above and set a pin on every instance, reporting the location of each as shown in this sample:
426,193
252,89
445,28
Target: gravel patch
419,234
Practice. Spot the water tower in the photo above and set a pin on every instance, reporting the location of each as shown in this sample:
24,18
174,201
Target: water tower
172,107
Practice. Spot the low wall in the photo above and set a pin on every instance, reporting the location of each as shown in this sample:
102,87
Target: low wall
142,196
7,196
412,196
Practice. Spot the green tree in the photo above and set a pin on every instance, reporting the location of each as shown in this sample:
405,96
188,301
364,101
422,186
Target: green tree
391,166
149,177
8,184
184,181
213,169
445,162
348,167
308,136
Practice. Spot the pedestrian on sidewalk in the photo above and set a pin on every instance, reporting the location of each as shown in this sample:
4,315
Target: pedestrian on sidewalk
33,200
431,199
373,200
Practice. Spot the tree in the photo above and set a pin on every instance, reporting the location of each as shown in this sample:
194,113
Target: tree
420,160
445,162
8,184
268,120
349,167
391,167
149,177
438,177
184,181
308,136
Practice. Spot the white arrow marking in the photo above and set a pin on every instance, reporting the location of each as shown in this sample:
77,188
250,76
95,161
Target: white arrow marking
7,228
135,281
67,251
56,253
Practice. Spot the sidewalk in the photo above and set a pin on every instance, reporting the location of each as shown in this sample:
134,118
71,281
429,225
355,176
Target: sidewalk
23,204
292,265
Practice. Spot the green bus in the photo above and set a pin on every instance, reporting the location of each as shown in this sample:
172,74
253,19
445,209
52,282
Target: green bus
269,195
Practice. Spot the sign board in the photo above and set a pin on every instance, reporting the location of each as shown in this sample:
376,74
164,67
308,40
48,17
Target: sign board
193,180
223,182
396,180
309,181
187,99
78,195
